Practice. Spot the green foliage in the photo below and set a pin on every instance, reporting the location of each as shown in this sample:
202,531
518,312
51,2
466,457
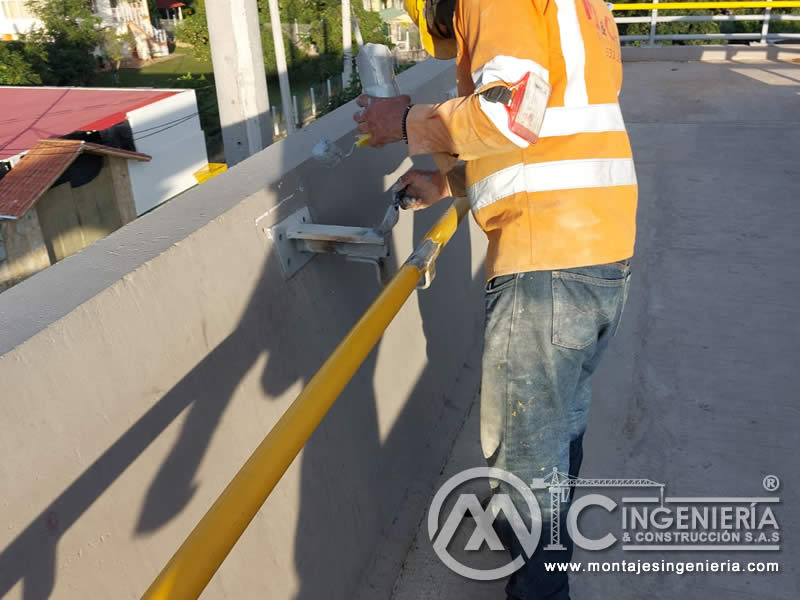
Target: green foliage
672,28
114,45
194,31
16,65
206,100
324,37
351,92
63,47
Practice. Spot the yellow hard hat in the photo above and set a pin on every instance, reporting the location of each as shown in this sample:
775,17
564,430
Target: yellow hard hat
436,46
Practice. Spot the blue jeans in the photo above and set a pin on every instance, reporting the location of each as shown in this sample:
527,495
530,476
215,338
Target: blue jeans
545,333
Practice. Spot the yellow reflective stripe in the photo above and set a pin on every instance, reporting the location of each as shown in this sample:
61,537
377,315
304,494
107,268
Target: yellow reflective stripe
569,120
551,177
569,30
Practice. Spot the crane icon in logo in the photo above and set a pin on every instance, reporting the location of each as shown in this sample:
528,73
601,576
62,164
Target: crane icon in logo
560,486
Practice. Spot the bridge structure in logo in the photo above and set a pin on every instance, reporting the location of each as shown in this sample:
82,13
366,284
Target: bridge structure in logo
560,486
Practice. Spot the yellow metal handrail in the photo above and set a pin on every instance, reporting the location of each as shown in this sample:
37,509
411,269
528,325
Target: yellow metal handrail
704,5
195,562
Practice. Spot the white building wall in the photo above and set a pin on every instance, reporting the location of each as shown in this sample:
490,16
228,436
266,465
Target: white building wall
169,131
15,19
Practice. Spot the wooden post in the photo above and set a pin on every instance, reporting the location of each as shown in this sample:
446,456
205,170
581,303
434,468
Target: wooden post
26,251
123,194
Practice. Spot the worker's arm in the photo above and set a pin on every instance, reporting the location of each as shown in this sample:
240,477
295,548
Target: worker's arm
422,189
503,41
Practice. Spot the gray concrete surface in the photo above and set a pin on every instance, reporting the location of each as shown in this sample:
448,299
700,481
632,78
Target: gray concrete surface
699,390
138,375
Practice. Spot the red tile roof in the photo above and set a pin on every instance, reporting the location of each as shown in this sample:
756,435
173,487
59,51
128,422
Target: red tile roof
169,4
33,113
41,167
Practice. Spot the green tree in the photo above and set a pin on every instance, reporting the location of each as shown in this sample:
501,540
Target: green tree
194,31
16,65
114,45
65,43
325,35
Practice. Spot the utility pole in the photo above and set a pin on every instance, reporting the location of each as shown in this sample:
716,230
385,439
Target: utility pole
235,38
280,61
347,43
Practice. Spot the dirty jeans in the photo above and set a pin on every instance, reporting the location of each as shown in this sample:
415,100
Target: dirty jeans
545,333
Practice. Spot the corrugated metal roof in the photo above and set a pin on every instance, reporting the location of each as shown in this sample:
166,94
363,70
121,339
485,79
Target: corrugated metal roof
41,167
34,113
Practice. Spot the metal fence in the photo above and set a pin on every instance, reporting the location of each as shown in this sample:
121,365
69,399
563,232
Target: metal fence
307,105
763,36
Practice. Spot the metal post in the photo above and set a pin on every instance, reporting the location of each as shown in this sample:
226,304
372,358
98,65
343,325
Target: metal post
313,103
280,61
347,43
357,29
330,95
653,24
275,128
297,118
765,25
240,80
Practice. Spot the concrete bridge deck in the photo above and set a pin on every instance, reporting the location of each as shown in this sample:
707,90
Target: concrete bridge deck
700,388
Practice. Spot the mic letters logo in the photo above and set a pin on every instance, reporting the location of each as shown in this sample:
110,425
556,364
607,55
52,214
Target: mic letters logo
484,532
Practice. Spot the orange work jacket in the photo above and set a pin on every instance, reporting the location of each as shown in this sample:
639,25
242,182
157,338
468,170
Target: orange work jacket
568,200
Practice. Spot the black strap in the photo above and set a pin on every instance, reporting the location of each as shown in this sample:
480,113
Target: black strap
439,16
499,93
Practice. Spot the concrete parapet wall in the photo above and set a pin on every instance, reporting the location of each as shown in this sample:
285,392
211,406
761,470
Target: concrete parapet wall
139,374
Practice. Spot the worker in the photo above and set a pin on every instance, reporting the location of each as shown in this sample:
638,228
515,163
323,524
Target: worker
549,174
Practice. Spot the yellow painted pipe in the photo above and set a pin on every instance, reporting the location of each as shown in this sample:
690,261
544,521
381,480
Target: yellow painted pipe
704,5
201,554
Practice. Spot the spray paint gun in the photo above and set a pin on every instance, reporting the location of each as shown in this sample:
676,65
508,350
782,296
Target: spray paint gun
375,65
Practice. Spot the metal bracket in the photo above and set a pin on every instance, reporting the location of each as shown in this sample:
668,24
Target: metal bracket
297,239
424,258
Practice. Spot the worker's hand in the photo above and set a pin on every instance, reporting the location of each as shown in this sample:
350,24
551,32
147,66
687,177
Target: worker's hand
382,118
422,189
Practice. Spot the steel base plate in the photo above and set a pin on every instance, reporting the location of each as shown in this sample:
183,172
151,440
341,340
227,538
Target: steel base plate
291,259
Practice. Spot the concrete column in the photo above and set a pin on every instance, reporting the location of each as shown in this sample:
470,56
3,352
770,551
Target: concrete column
347,43
234,33
280,61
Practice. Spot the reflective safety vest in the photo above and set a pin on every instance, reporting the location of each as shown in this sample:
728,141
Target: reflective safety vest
569,199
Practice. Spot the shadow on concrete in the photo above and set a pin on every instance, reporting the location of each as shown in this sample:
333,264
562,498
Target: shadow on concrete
372,473
376,475
207,390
